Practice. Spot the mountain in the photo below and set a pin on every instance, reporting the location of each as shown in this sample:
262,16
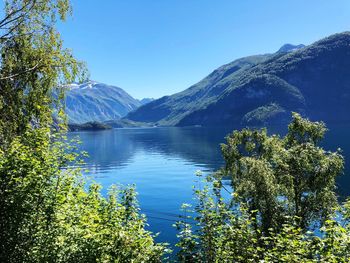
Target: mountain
146,100
290,48
169,110
264,89
94,101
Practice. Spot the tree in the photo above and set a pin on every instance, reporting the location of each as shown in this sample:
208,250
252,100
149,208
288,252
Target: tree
46,213
277,177
281,188
33,63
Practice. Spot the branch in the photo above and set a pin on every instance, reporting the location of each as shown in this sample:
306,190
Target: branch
20,73
4,37
6,20
21,19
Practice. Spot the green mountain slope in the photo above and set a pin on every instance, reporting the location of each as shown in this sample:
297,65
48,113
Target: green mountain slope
169,110
312,80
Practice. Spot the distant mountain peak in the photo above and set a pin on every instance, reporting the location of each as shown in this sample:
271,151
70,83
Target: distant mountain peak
290,48
146,100
86,85
96,101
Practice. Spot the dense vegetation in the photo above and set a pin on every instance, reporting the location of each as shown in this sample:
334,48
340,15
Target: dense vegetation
88,126
283,208
313,81
47,212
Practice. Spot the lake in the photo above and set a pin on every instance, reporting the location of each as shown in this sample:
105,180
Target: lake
162,163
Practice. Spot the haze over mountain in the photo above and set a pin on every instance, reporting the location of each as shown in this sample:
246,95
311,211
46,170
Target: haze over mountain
94,101
263,89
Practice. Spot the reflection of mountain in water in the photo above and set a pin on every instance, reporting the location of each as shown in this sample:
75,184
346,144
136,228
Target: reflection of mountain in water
196,145
106,149
116,148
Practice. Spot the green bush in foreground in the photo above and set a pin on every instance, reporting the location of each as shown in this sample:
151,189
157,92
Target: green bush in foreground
284,188
224,234
47,215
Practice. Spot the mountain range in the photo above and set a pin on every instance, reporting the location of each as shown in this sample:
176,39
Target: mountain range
94,101
263,89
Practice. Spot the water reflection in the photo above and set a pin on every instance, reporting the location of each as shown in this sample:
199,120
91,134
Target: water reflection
162,163
113,149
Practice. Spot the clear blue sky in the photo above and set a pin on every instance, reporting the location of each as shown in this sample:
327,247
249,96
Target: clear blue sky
152,48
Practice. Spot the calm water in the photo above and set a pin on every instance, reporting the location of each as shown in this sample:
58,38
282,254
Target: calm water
162,163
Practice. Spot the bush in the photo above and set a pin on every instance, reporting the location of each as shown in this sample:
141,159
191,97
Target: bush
47,215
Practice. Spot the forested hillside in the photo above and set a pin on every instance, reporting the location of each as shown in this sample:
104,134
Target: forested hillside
257,90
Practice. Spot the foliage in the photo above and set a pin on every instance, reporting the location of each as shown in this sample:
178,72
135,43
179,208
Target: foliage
33,63
226,232
48,216
290,176
47,211
283,187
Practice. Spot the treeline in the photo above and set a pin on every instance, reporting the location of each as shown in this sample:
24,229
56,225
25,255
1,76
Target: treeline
283,207
88,126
